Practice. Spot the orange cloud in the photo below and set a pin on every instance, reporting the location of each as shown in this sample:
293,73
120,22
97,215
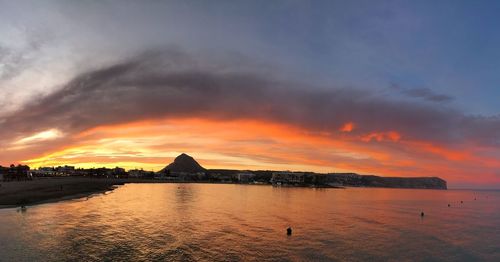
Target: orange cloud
347,127
381,136
251,144
256,144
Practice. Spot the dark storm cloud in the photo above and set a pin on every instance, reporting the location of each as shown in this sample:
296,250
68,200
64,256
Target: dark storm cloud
427,94
174,84
423,93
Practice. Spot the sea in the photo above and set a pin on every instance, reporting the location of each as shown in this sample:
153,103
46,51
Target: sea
228,222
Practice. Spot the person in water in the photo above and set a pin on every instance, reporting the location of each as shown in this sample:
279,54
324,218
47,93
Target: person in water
289,231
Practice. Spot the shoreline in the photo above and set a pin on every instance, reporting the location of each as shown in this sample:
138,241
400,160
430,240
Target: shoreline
54,189
60,199
47,190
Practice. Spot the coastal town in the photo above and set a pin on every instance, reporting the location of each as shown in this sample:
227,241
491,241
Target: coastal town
186,169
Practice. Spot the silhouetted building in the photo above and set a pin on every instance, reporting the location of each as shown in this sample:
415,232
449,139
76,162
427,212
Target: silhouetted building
65,170
338,179
139,173
3,171
246,177
280,178
19,172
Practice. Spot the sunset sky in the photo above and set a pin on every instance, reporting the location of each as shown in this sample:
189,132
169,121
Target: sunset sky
390,88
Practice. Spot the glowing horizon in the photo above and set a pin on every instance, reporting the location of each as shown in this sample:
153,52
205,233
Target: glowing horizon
258,145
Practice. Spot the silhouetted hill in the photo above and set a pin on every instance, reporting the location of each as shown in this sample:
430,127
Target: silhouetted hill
404,182
184,163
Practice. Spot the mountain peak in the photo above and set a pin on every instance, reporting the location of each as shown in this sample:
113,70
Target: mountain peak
184,163
183,155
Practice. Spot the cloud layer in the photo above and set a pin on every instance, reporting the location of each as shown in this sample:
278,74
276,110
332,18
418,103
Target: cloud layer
322,69
173,84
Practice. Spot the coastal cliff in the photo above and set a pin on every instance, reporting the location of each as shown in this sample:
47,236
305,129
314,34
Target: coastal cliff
355,180
404,182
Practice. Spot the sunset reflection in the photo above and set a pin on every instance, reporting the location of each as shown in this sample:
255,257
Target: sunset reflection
139,222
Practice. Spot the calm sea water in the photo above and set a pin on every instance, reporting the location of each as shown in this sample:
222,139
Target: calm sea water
208,222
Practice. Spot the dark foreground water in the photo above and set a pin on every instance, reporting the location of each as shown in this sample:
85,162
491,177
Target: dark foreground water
192,222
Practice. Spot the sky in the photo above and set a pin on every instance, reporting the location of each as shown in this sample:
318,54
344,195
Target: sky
390,88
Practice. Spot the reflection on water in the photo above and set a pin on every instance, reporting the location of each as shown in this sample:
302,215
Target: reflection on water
145,222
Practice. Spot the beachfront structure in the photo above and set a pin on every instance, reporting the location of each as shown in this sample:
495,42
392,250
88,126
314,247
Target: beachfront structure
101,172
136,173
3,172
338,179
179,176
140,173
19,172
225,178
44,171
288,178
246,177
65,170
55,171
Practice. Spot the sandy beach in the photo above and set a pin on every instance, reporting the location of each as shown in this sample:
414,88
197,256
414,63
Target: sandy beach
40,190
52,189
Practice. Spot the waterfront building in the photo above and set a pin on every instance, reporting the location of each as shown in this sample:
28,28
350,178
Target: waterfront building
65,170
246,177
140,173
19,172
288,178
